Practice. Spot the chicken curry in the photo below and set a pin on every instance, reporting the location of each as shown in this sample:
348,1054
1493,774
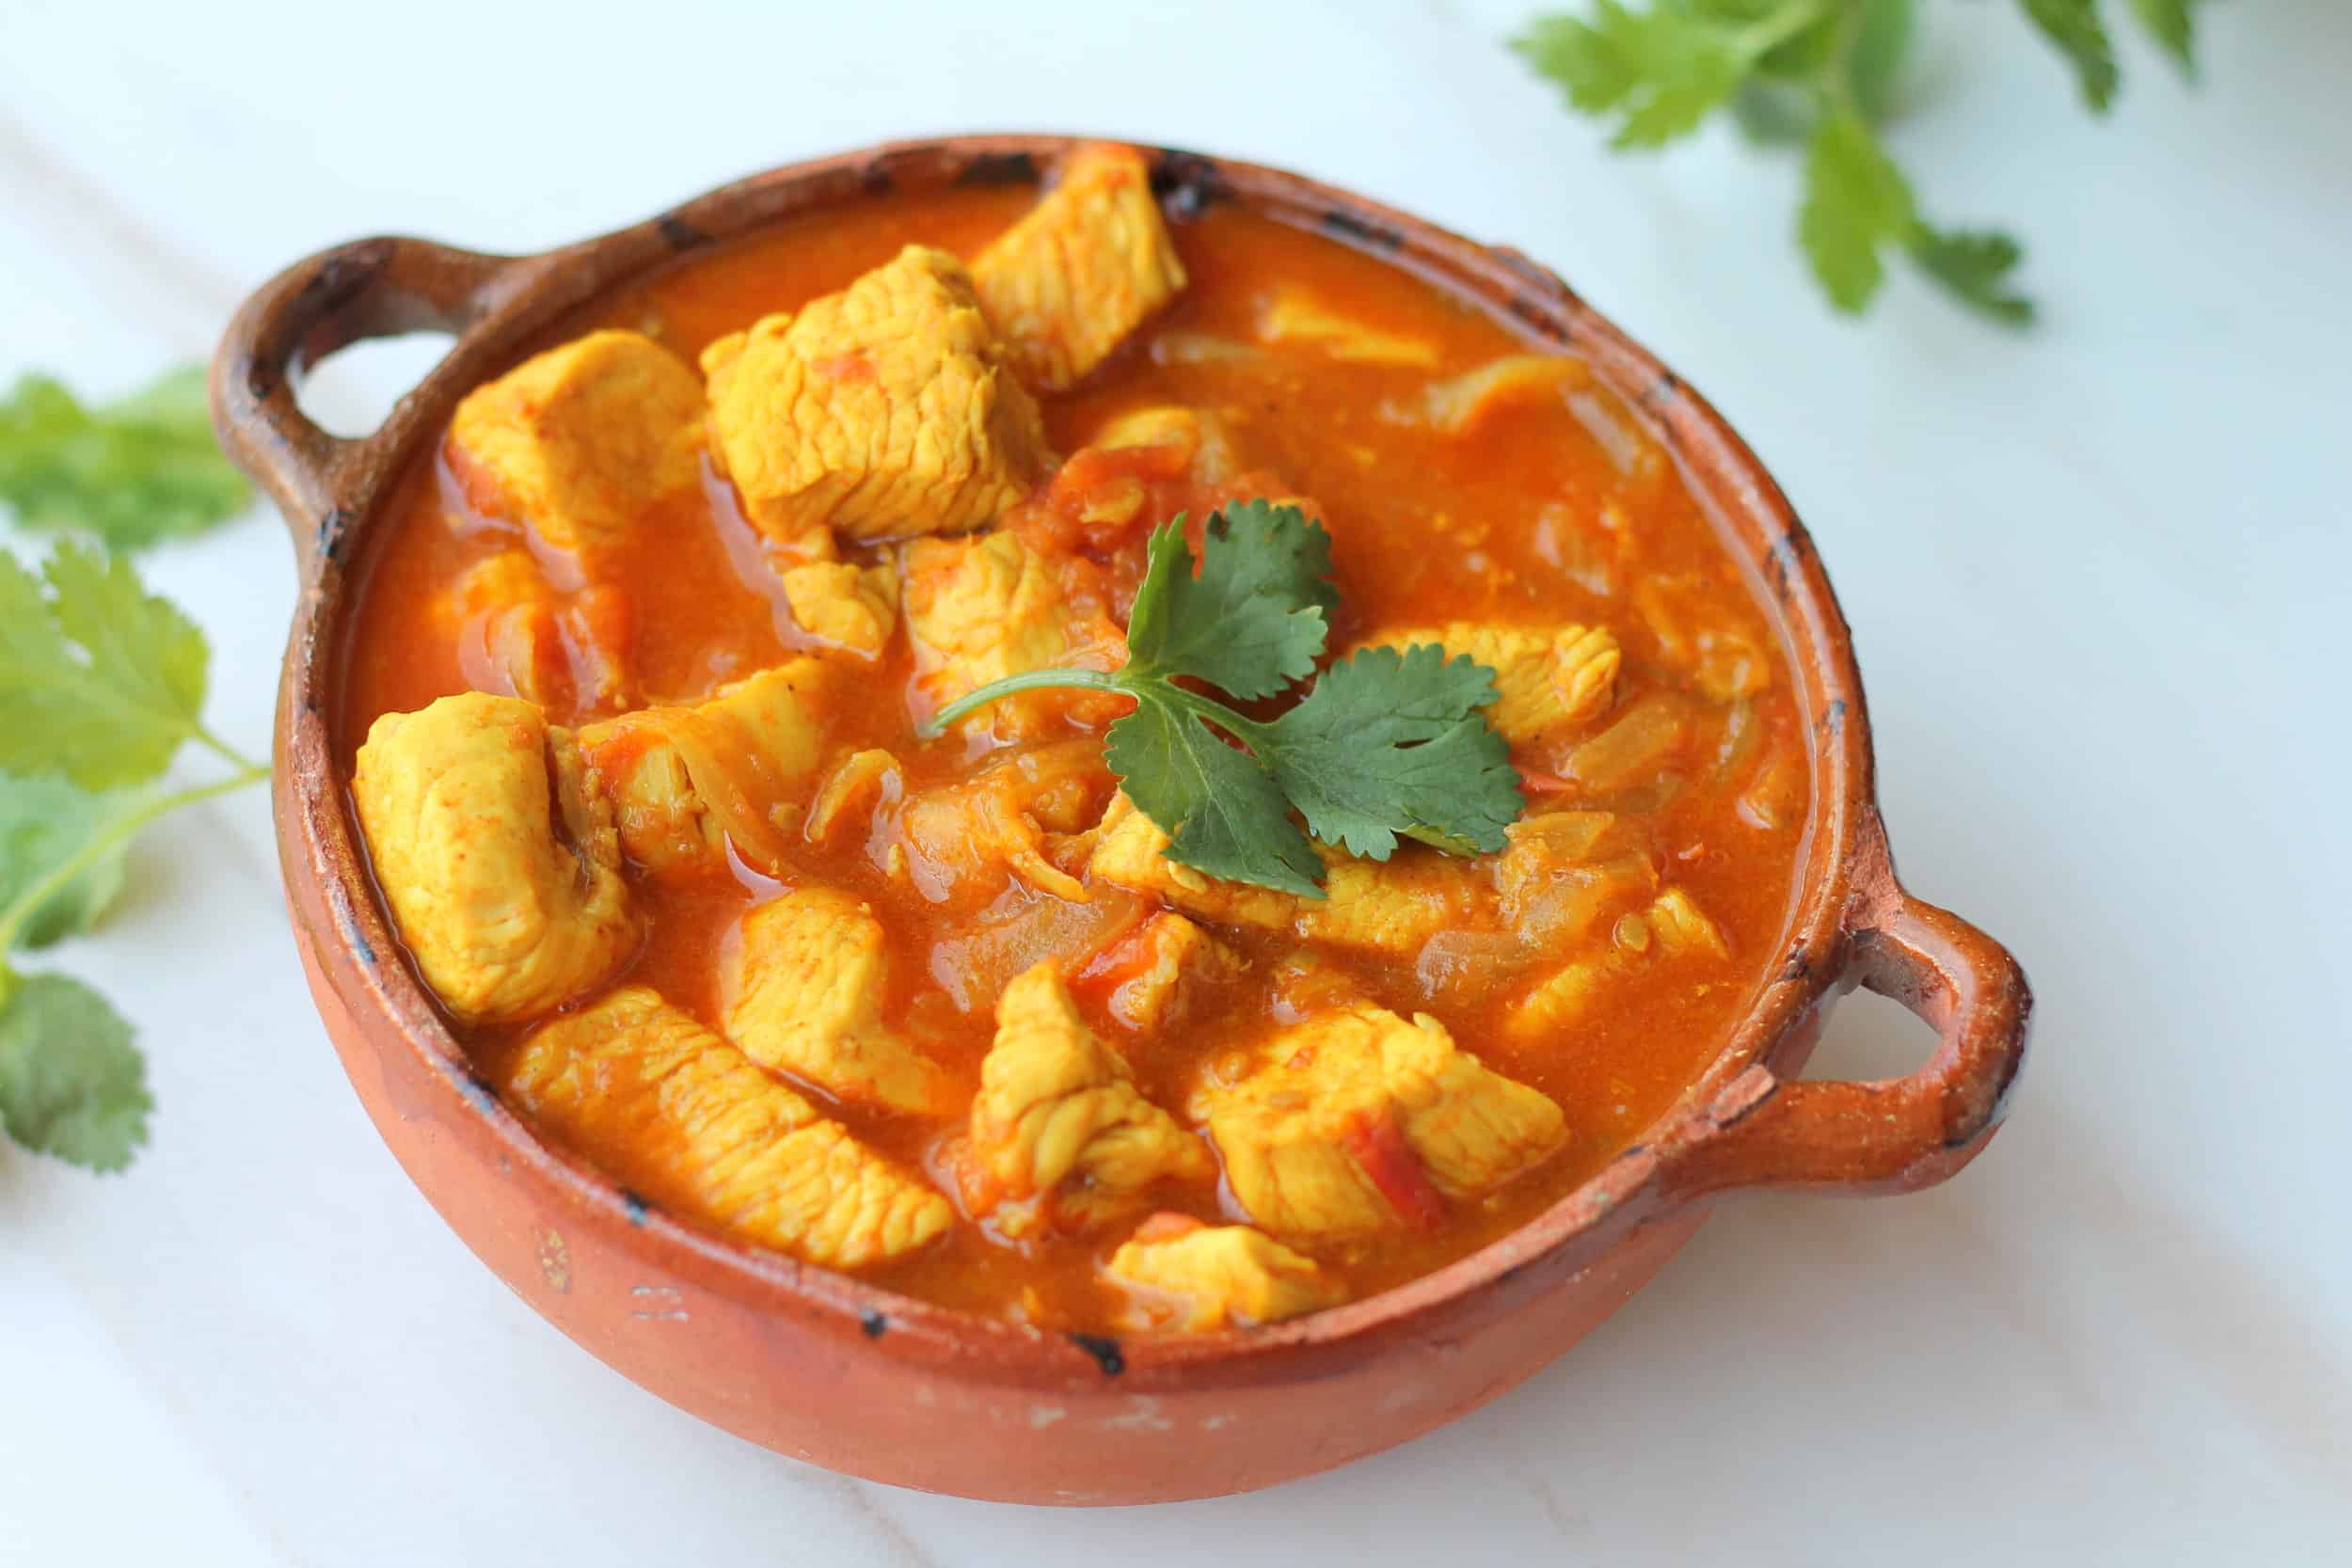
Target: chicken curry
638,709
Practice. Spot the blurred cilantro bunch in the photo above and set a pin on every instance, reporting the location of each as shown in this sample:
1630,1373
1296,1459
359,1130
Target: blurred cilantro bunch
1821,73
101,687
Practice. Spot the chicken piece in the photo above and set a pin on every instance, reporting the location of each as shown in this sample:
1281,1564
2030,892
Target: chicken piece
1181,1275
685,782
1355,1121
1546,680
690,1121
1082,269
1061,1139
1671,926
1022,816
1563,872
1148,979
503,870
1389,906
883,410
806,980
1460,404
517,637
983,609
1296,316
1197,441
576,444
844,606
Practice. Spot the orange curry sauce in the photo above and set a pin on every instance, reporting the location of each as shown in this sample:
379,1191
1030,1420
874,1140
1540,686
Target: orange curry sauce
1550,509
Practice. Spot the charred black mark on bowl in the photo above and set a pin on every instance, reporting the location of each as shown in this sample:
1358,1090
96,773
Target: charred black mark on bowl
341,279
1106,1353
1798,966
1662,393
347,923
1539,315
872,1323
1000,168
635,1208
1787,559
334,528
1187,184
1357,230
476,1088
680,233
1834,717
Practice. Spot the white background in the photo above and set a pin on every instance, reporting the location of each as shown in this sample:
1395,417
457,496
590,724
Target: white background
2099,581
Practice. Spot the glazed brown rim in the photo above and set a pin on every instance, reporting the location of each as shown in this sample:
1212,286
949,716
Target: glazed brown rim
1743,1124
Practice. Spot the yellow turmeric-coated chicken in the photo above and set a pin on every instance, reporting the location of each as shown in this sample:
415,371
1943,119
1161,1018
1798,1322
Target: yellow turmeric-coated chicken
1061,1139
990,607
1182,1275
845,605
578,443
690,1121
685,782
1082,269
1355,1121
1548,679
516,636
501,868
1389,906
883,410
1161,965
1023,816
805,981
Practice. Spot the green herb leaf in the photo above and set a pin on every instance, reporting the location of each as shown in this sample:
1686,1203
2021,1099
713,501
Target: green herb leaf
1253,619
2075,26
1855,202
1662,71
1390,743
131,474
1384,744
2173,24
71,1082
43,822
1975,265
1223,813
1874,66
99,679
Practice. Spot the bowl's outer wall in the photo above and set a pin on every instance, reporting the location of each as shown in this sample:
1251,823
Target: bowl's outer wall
804,1383
850,1376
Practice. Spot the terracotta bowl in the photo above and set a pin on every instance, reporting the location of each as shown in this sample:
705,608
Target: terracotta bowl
827,1368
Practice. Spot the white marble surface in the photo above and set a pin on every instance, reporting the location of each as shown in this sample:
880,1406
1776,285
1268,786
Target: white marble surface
2099,580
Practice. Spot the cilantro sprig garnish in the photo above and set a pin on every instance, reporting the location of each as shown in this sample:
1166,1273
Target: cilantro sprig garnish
1386,744
101,688
1823,72
131,473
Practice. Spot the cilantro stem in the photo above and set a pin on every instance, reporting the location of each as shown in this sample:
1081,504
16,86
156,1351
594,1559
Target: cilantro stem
125,824
1028,680
229,753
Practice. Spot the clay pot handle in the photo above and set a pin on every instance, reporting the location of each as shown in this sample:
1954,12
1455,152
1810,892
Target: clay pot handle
377,288
1896,1134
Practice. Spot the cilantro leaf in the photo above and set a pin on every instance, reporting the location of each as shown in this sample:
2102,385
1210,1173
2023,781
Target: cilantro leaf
1384,744
1390,743
99,679
131,474
1974,264
44,821
1856,201
1223,813
1662,71
71,1082
2075,26
1254,618
2173,24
